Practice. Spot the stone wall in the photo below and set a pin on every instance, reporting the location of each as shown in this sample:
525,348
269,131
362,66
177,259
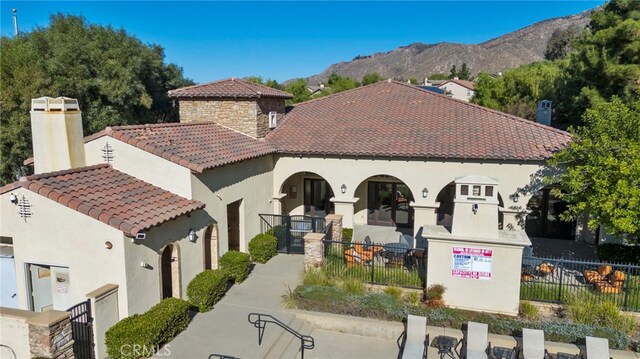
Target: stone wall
249,116
313,250
239,114
266,105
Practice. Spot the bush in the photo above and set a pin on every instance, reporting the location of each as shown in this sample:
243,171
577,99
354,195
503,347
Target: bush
207,288
434,294
147,331
347,234
394,292
619,253
263,247
528,310
600,314
354,286
236,264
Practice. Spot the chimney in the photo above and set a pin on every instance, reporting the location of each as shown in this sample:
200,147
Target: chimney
321,85
56,131
543,113
456,78
475,209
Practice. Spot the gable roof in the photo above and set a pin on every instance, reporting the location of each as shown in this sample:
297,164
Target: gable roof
195,145
464,83
110,196
231,87
394,119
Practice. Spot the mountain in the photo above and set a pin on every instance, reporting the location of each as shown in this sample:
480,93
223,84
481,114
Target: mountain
419,60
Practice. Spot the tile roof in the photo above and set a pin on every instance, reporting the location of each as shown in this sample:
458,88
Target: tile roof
464,83
231,87
110,196
394,119
195,145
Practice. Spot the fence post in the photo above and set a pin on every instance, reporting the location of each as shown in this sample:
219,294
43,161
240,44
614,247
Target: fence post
559,268
287,235
373,267
626,290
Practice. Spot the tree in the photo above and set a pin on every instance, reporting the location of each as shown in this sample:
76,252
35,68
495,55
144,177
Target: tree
518,91
371,78
299,90
599,170
259,80
464,73
341,83
453,72
116,78
413,80
559,44
438,77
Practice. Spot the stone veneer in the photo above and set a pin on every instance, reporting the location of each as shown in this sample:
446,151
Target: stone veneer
247,115
313,246
50,335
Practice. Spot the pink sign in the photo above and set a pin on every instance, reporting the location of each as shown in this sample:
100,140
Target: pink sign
473,263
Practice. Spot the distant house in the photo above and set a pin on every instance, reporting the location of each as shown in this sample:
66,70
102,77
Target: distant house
459,89
315,90
434,89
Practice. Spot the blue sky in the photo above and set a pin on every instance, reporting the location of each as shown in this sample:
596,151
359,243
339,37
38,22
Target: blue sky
283,40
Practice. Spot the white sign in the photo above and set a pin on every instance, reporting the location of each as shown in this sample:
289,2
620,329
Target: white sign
474,263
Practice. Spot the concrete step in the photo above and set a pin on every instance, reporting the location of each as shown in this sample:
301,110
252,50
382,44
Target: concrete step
278,346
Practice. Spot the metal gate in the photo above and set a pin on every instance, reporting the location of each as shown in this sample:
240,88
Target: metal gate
290,230
82,330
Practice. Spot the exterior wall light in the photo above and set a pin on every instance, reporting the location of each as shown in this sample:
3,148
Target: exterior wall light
343,188
425,192
192,236
13,198
515,197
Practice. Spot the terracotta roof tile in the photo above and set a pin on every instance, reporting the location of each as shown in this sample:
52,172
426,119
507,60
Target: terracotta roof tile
112,197
394,119
231,87
197,145
464,83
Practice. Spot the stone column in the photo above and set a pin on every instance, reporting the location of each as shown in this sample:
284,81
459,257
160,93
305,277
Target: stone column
50,335
313,250
336,233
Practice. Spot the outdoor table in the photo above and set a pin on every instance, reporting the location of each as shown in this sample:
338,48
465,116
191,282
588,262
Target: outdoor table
395,252
445,346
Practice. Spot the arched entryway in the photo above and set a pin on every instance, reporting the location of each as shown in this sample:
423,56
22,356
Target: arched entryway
386,202
543,220
210,249
307,193
170,271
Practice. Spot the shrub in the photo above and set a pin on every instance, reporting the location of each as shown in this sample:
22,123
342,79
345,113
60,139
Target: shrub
528,310
236,264
147,331
600,314
347,234
619,253
354,286
263,247
207,288
380,306
413,298
394,292
434,295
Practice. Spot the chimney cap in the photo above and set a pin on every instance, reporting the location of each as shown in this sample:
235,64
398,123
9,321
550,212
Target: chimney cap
54,104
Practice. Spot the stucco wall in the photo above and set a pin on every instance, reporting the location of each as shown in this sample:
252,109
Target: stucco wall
142,165
59,236
416,174
458,92
14,332
249,181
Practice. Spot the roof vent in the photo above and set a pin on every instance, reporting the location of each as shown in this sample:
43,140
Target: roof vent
58,104
273,119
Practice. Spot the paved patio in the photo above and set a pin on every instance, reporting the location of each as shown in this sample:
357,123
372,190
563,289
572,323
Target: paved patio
379,234
563,248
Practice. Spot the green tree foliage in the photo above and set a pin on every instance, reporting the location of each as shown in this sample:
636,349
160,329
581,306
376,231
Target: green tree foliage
413,80
518,90
453,72
599,170
438,77
116,78
259,80
464,73
559,44
606,62
371,78
341,83
299,90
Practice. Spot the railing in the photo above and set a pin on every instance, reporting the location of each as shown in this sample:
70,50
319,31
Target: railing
260,321
290,230
385,264
557,280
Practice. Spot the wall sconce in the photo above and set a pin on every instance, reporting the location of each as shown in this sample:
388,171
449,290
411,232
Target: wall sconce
13,198
145,265
108,245
192,236
474,208
514,197
425,192
343,188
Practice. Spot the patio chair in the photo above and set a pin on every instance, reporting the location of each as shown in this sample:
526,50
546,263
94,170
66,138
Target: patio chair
416,338
406,239
533,344
596,348
476,342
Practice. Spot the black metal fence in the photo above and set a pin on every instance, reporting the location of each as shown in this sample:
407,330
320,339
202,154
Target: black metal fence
558,280
290,230
82,330
386,264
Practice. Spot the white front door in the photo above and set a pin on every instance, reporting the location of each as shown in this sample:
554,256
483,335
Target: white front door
50,287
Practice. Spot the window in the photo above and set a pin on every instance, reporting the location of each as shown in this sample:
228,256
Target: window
273,119
464,190
488,191
476,190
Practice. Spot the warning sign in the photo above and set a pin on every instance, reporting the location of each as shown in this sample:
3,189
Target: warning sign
474,263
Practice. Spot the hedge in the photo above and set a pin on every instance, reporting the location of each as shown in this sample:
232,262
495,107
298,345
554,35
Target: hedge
619,253
263,247
236,264
207,288
140,335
